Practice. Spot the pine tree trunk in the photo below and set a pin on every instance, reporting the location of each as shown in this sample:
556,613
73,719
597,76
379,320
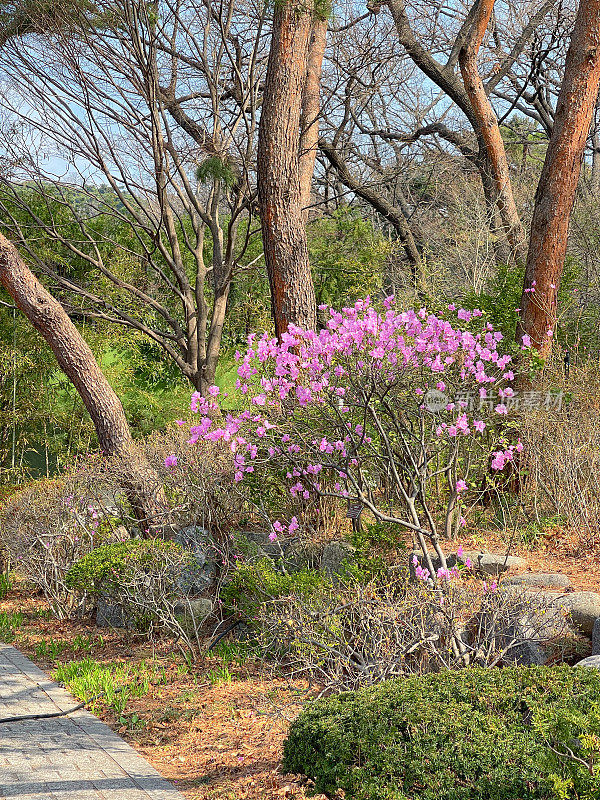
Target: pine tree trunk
311,106
77,361
558,182
279,194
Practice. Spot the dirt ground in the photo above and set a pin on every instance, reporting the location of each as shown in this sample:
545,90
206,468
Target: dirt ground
218,733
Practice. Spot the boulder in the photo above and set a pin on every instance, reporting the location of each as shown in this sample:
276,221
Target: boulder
590,661
112,615
583,608
334,555
260,544
201,573
552,580
596,638
490,564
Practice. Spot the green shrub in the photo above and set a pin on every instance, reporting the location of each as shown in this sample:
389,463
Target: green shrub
107,568
144,578
252,584
374,545
475,734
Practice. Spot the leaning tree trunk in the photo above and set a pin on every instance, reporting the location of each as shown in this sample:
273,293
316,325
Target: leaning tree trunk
488,131
311,107
279,194
558,182
48,317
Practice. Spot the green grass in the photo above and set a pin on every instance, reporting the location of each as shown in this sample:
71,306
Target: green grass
9,623
116,682
219,676
52,648
6,584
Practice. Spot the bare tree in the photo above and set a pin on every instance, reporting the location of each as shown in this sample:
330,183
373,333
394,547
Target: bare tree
161,110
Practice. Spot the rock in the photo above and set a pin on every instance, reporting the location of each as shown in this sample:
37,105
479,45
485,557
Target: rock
201,573
527,653
112,615
552,580
596,638
583,609
261,545
334,556
191,614
590,661
492,564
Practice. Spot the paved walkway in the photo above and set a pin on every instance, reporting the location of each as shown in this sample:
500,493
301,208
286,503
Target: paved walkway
76,757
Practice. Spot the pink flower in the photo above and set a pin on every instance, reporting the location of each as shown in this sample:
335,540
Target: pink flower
526,339
213,391
171,461
460,486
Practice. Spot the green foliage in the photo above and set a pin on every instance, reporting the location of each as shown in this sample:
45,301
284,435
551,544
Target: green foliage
6,584
216,169
372,544
9,624
115,683
473,734
252,584
502,297
52,648
107,568
347,256
219,675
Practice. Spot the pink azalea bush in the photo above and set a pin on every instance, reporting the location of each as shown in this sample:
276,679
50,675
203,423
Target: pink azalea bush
381,408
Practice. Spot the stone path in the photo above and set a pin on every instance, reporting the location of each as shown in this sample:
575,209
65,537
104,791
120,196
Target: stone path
76,757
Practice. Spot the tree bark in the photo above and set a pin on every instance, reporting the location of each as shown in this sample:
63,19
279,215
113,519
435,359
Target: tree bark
279,194
77,361
556,190
309,116
489,131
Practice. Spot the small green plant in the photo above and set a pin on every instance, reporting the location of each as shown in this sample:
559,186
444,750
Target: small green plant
9,624
114,682
133,722
236,653
50,649
6,584
53,648
219,676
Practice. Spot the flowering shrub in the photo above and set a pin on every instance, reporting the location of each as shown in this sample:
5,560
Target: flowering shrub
389,411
